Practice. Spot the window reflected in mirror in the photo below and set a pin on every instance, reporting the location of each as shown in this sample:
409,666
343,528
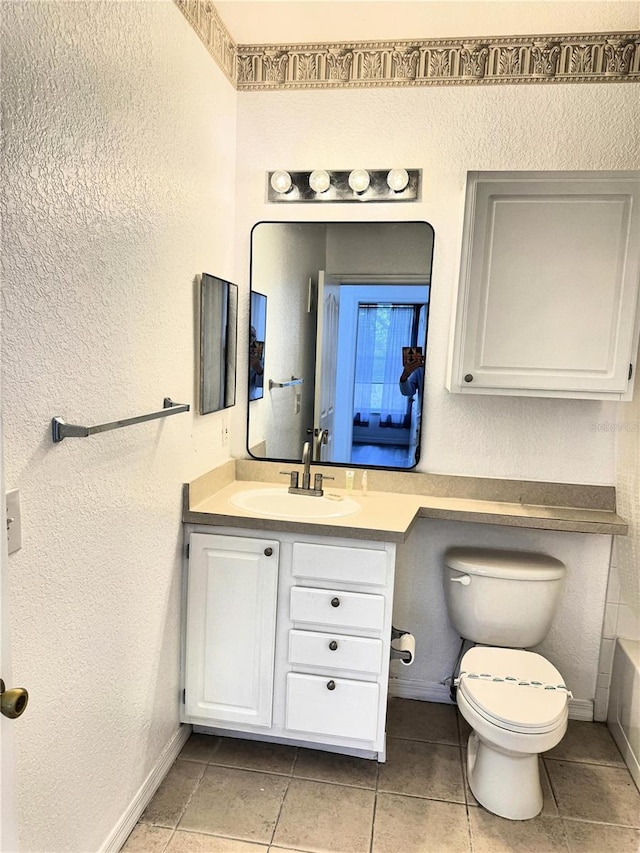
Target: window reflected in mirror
345,354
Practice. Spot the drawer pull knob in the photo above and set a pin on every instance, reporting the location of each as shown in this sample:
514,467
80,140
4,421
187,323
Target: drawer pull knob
335,602
333,645
331,685
268,552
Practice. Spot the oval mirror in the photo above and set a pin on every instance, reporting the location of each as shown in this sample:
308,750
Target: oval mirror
340,313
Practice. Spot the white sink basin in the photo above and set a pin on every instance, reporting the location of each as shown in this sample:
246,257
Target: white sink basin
278,503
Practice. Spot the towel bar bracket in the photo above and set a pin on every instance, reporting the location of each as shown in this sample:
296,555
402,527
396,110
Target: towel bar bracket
61,430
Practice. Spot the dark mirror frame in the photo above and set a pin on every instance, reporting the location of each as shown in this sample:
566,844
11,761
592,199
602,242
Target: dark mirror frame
357,279
218,343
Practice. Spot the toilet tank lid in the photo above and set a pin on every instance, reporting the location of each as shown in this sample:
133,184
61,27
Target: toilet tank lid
495,563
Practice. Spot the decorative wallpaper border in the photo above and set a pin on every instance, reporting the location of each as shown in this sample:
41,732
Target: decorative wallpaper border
204,19
587,58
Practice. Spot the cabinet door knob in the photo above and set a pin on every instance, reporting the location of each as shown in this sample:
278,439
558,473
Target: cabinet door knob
468,377
335,602
268,552
331,685
333,645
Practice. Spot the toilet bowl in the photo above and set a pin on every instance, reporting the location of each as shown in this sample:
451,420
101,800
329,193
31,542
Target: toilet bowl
517,705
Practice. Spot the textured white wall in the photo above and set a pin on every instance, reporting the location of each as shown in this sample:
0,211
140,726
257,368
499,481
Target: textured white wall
118,190
447,131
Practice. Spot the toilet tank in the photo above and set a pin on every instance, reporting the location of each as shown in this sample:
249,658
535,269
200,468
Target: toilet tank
502,598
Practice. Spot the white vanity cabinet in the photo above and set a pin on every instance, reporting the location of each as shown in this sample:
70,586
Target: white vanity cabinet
306,664
548,294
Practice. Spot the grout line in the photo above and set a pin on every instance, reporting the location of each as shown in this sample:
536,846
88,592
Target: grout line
599,822
422,797
472,845
373,820
277,821
204,767
173,832
620,766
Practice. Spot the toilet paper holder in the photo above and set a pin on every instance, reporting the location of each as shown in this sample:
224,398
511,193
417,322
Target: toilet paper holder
403,646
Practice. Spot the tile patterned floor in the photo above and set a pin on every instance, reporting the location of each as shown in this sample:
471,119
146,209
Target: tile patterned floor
231,796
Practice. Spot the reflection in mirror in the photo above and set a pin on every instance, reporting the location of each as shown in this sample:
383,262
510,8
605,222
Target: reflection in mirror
345,340
218,336
257,332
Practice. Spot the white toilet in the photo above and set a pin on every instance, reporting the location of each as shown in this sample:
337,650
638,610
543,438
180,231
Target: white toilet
515,700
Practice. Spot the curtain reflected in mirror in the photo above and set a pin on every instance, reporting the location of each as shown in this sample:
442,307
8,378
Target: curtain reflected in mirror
346,341
218,346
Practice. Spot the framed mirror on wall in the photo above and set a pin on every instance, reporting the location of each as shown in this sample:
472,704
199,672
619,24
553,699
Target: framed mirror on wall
218,343
345,340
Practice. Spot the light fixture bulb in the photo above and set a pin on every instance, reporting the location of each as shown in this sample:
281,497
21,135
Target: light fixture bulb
319,180
281,181
398,179
359,180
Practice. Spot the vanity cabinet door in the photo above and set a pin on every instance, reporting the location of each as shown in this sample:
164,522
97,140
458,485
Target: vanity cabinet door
548,296
231,623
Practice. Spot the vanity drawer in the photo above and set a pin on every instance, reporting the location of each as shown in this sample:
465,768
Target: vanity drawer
332,706
338,563
336,607
335,651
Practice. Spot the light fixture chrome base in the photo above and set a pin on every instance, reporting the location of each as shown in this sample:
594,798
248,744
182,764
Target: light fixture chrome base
339,190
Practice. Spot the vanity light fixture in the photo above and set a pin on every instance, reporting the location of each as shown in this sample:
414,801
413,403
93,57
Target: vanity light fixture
281,181
355,185
320,180
359,180
397,179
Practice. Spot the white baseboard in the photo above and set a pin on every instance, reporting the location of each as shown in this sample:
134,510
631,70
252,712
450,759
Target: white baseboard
125,825
425,691
581,709
433,691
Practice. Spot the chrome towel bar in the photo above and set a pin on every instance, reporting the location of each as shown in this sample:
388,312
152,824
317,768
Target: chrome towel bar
61,430
293,381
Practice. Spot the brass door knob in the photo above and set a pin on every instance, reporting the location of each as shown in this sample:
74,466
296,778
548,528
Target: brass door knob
13,702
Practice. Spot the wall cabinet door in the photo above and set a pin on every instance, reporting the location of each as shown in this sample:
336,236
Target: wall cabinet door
230,632
548,294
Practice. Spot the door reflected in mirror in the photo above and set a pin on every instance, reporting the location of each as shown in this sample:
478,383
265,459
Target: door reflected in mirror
257,334
345,340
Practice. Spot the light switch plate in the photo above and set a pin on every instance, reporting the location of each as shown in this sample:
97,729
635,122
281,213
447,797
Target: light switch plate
14,524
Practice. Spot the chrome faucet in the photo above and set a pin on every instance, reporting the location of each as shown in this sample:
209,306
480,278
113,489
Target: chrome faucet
305,488
306,461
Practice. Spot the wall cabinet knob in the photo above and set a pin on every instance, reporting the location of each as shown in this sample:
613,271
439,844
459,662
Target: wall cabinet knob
268,552
335,602
333,645
331,685
468,377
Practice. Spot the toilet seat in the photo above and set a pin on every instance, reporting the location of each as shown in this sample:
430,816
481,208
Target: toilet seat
514,690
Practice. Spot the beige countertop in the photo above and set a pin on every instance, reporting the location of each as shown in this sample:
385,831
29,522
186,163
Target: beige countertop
390,515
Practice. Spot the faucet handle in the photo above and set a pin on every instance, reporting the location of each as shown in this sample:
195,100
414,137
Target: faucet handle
293,483
317,481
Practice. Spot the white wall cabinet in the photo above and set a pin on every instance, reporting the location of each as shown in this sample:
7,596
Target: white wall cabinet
288,638
548,296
